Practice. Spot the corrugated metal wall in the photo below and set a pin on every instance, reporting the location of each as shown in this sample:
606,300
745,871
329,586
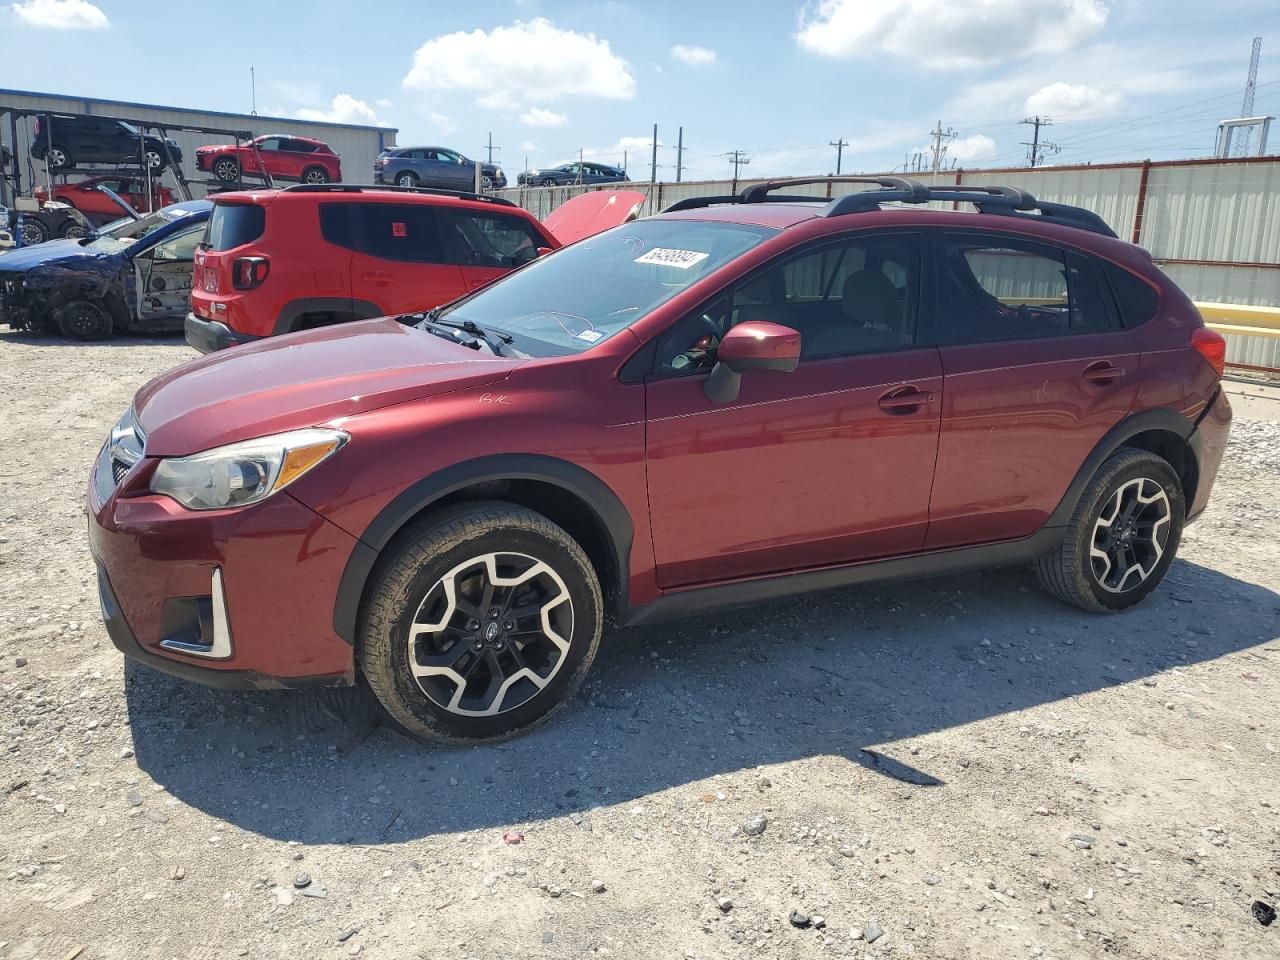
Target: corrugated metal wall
357,146
1212,225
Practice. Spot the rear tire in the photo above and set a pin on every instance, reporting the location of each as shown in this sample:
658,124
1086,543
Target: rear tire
226,169
1122,537
84,320
315,175
445,606
32,231
407,180
56,158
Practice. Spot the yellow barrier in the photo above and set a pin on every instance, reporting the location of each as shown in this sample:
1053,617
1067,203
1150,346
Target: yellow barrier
1241,320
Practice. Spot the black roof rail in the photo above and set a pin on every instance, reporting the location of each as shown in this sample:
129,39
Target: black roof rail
361,187
999,200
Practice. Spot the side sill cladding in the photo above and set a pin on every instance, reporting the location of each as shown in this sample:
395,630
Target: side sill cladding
574,480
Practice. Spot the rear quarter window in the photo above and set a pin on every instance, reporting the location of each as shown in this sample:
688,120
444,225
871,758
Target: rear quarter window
1136,299
234,224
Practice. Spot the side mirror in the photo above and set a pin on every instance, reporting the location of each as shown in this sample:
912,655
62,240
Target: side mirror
751,345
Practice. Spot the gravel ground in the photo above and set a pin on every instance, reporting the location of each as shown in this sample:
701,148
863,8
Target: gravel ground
958,769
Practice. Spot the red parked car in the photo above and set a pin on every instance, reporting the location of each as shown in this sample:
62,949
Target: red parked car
278,261
284,157
100,208
738,399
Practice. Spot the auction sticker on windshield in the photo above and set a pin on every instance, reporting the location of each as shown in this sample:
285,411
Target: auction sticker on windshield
667,257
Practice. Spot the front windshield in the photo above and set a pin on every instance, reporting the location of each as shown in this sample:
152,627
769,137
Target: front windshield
587,292
126,232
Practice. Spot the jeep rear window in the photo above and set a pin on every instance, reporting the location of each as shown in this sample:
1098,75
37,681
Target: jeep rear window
234,224
588,291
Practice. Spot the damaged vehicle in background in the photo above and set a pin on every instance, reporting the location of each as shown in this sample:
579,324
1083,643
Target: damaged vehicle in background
133,275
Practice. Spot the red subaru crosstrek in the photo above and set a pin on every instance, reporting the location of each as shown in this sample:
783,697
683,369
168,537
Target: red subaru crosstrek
737,399
279,261
284,157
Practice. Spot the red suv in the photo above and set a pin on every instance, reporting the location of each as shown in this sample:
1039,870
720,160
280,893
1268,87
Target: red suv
278,261
98,206
285,158
737,399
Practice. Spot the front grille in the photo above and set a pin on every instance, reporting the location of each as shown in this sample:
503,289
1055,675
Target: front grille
118,470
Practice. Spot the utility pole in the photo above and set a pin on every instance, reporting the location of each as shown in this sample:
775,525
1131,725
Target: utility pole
1036,148
739,159
679,154
653,164
839,143
940,143
491,147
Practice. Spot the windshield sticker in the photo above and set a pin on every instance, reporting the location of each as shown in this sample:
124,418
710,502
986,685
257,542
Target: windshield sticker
591,336
680,259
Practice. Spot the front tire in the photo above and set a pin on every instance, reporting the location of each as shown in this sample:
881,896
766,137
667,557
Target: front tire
84,320
32,231
227,169
1122,537
481,623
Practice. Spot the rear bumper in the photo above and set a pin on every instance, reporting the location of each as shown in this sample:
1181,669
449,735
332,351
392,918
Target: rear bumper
1209,440
210,335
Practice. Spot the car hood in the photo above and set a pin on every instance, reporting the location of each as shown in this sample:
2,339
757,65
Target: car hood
301,380
47,253
591,213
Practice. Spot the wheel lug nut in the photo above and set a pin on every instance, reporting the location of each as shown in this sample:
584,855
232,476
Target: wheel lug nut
509,625
473,624
479,644
493,614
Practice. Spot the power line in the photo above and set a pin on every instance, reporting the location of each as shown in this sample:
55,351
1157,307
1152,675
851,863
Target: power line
941,140
739,159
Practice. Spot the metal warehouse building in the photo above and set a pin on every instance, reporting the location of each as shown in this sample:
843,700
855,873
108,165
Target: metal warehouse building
357,145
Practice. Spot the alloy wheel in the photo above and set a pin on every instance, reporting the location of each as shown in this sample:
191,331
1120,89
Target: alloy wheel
32,232
226,170
316,176
56,158
406,180
1130,535
153,159
490,634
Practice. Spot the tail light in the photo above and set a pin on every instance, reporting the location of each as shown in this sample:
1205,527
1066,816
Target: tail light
1212,346
37,126
249,272
380,162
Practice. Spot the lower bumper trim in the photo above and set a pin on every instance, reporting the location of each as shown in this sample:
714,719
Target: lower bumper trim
210,335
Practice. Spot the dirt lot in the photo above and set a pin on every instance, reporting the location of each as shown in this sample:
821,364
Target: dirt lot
962,768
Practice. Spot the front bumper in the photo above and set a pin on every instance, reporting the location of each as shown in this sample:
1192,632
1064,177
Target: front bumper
210,335
167,575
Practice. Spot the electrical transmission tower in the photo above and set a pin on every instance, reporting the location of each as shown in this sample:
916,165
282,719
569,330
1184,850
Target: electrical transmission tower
941,140
1246,109
739,159
1037,148
839,143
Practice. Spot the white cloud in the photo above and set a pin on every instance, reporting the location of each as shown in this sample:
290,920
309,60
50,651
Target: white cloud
445,124
944,34
528,146
1073,101
973,147
538,117
383,102
344,109
693,56
61,14
536,55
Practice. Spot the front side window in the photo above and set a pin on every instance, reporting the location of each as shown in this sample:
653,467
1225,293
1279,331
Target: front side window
180,247
490,240
855,296
269,143
589,291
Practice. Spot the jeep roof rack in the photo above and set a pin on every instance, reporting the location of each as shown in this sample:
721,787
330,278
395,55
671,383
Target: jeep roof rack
361,187
1000,200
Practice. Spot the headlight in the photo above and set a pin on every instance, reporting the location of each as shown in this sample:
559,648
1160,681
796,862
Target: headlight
243,473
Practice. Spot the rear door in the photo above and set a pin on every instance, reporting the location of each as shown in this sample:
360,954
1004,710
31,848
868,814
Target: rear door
1036,370
402,262
488,245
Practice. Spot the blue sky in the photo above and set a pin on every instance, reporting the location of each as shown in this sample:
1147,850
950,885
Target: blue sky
1121,79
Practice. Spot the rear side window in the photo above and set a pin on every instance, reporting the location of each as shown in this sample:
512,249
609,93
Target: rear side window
492,240
1136,299
1005,288
234,224
407,232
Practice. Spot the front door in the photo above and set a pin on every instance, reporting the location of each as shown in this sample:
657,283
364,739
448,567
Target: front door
489,245
162,276
1036,369
830,464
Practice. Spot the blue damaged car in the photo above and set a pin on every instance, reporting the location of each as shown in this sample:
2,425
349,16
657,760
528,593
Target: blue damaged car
133,274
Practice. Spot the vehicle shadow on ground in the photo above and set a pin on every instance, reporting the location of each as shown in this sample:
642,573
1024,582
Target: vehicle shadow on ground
117,339
839,673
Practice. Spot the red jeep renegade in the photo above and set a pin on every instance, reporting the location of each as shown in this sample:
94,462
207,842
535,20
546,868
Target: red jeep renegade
740,398
277,261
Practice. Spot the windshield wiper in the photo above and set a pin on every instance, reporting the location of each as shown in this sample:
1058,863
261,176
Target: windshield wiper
493,340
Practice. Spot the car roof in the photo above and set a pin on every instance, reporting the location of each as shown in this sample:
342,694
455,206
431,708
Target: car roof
355,193
189,206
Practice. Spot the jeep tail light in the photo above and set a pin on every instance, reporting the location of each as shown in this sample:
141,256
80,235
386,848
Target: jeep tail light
1212,346
249,272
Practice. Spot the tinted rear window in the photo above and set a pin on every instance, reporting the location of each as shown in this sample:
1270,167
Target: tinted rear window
234,224
1136,299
